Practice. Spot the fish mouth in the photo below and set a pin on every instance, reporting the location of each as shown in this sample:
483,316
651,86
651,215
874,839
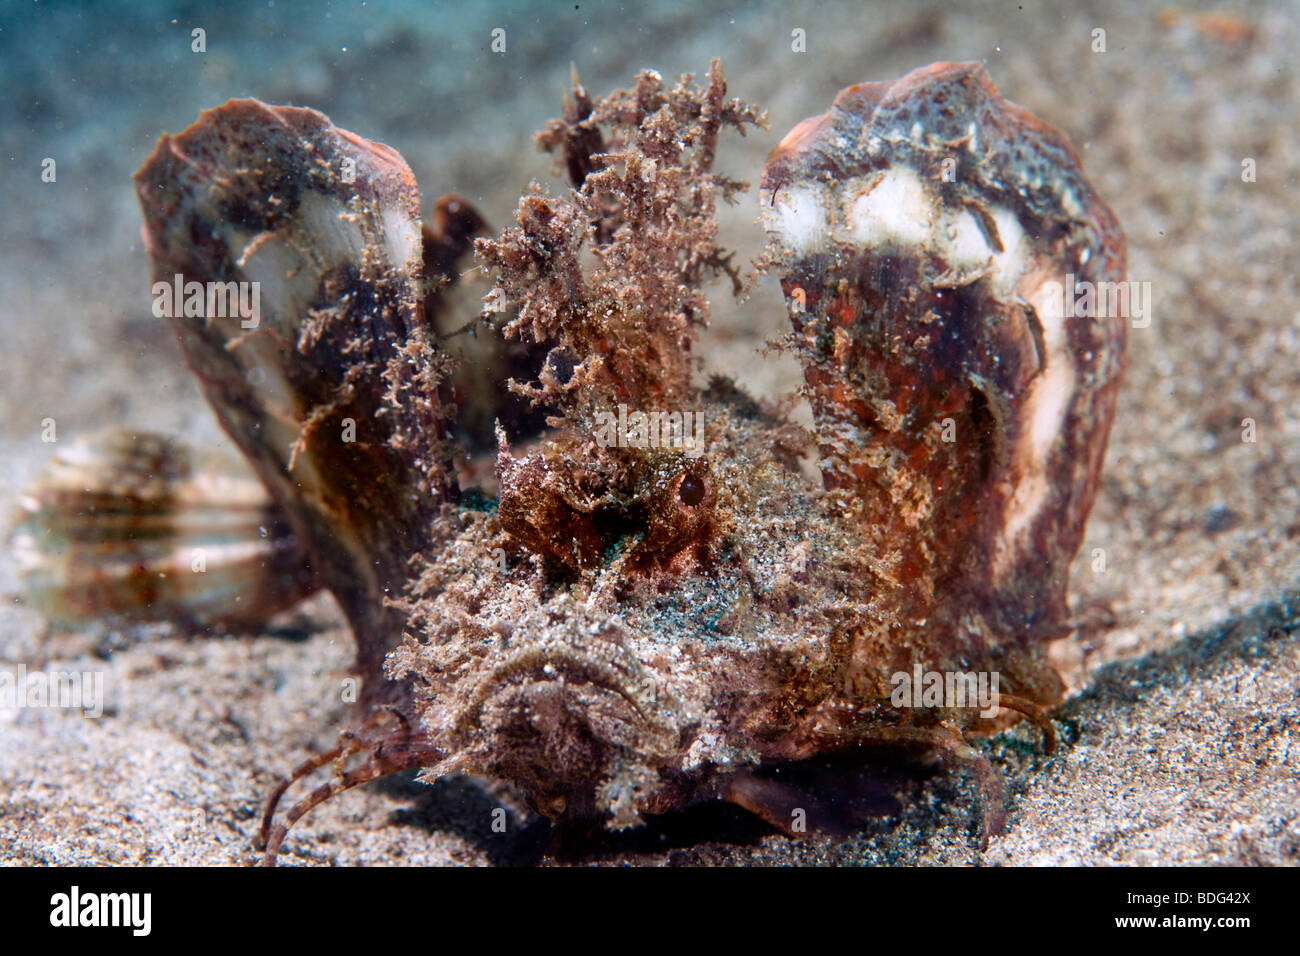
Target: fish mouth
573,734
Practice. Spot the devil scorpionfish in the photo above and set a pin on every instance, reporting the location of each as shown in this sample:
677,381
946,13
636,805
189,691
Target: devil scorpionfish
568,567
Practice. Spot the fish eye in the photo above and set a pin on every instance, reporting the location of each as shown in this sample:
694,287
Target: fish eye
691,491
562,364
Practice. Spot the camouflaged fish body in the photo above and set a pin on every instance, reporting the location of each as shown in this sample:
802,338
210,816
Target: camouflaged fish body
627,627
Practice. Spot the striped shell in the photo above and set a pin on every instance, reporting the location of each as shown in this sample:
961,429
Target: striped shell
137,526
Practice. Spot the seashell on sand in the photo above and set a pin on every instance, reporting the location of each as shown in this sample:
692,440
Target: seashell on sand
139,527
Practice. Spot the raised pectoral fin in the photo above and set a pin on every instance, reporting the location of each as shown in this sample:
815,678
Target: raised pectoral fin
302,244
